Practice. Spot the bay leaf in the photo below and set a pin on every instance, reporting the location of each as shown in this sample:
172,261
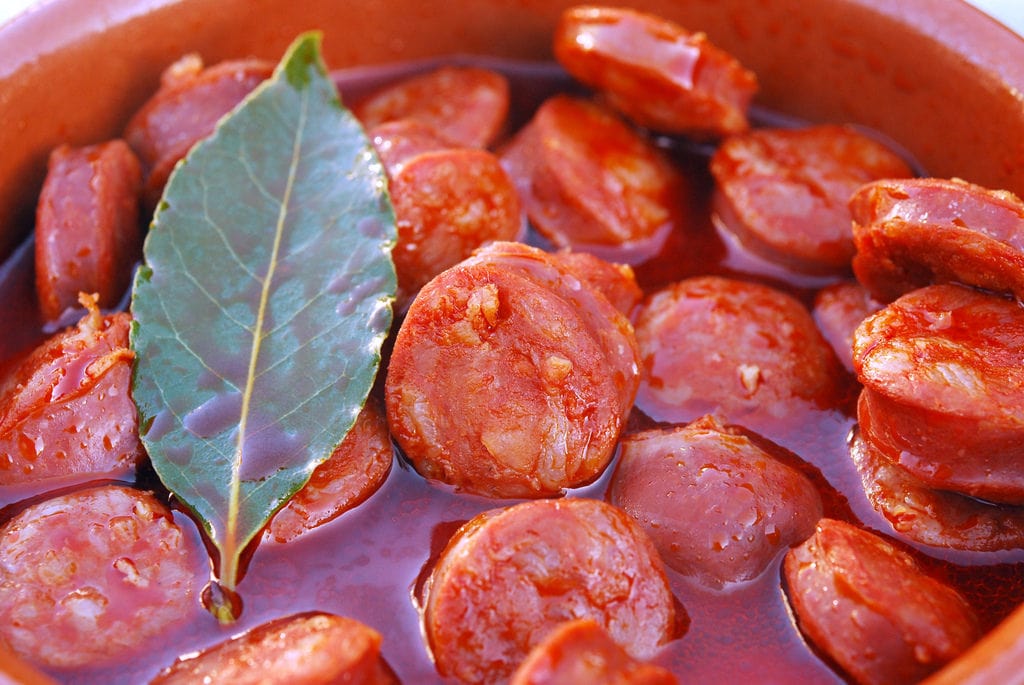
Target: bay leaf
263,302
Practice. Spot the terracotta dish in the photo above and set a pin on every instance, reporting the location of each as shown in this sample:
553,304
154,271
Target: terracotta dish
938,76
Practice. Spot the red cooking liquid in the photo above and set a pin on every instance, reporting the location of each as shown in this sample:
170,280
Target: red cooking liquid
370,563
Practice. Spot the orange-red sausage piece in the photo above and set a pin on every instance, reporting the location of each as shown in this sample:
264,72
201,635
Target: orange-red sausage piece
191,100
785,192
448,203
66,409
581,651
590,182
745,351
943,375
510,377
657,73
467,106
869,607
718,507
353,472
93,576
617,282
306,649
396,142
87,226
913,232
509,576
838,310
939,518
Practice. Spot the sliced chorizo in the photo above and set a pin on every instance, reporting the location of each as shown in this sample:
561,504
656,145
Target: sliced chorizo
745,351
943,375
510,377
396,142
353,472
467,106
784,193
185,109
838,310
509,576
718,507
66,409
660,75
914,232
447,203
93,576
591,183
305,649
581,651
870,607
938,518
617,282
87,226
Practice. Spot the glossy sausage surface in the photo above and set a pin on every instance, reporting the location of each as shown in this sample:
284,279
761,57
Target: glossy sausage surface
870,607
719,508
660,75
915,232
87,226
94,575
785,192
943,372
509,576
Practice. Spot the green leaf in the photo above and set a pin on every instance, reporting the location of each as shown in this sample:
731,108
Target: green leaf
263,303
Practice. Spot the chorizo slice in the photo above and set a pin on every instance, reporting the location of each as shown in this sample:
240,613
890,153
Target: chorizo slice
657,73
784,193
185,109
838,310
617,282
87,226
396,142
509,576
937,518
581,651
467,106
870,607
943,375
353,472
448,203
591,183
745,351
66,410
94,575
719,508
914,232
502,385
305,649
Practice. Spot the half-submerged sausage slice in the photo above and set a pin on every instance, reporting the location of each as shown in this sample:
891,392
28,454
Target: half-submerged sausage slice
718,507
838,310
655,72
871,608
306,649
66,410
591,183
509,576
785,192
353,472
191,100
943,375
510,377
914,232
581,651
87,226
94,575
467,106
745,351
939,518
